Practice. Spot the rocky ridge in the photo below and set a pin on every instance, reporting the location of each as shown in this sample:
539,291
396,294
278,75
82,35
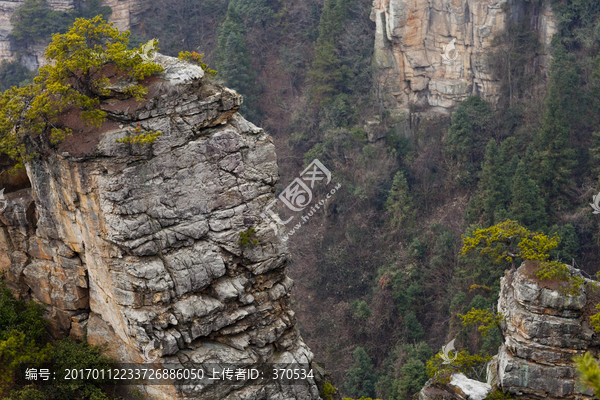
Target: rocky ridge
433,54
138,247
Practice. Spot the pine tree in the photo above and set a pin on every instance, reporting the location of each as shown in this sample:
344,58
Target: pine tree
360,378
328,73
399,203
494,187
233,62
555,158
470,130
527,206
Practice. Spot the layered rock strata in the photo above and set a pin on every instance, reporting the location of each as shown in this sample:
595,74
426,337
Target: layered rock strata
433,54
544,329
138,247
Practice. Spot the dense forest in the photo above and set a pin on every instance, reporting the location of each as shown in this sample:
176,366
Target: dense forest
380,284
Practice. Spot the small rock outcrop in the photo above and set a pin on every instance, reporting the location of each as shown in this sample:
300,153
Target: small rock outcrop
459,388
138,247
544,329
433,54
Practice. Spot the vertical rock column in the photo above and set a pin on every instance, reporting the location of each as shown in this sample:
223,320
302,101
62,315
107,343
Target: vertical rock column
142,243
544,329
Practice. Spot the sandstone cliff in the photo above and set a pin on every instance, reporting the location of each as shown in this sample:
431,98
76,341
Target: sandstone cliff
139,246
433,53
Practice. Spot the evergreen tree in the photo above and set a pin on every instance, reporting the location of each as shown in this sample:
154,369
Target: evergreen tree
360,378
470,130
12,73
35,21
555,160
233,62
412,327
399,203
413,376
495,180
527,206
328,73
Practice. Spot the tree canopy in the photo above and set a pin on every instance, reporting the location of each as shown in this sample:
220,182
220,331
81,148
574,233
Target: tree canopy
75,77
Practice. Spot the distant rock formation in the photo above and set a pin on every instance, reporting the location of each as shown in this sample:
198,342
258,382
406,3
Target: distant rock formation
544,330
136,246
432,54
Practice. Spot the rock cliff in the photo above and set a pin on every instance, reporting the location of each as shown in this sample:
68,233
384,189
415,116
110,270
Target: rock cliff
434,53
138,246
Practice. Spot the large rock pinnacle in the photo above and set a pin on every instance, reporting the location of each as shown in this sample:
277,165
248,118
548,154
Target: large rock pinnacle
135,246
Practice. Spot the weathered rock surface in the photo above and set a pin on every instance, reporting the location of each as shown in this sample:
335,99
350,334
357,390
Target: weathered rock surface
459,388
412,65
544,329
139,246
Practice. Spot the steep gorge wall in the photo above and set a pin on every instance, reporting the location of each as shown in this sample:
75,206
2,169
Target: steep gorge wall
412,67
137,246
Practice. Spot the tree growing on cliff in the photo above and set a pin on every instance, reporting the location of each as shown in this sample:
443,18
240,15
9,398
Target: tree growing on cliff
81,62
34,21
510,242
589,372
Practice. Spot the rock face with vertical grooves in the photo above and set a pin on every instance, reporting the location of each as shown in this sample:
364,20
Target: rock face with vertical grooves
414,70
138,246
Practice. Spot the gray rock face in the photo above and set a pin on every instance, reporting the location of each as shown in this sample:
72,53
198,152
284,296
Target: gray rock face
544,330
139,245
